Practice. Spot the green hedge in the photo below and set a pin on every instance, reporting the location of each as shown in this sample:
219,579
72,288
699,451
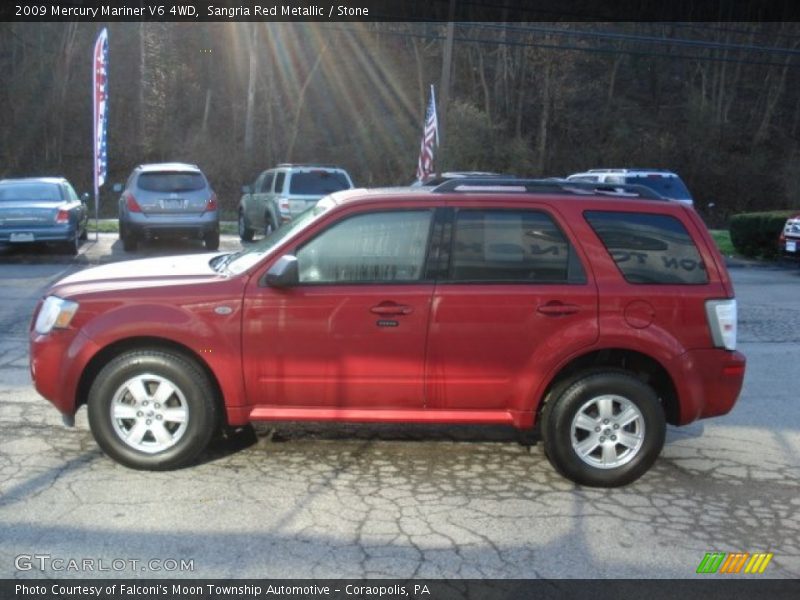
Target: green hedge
756,234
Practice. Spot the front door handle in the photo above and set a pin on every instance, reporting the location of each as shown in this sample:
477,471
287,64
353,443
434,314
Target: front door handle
558,309
387,309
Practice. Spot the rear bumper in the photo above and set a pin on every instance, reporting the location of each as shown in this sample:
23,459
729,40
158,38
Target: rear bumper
56,233
791,247
709,383
148,226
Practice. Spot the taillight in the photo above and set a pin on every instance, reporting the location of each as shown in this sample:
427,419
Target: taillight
212,202
283,205
62,218
722,321
131,203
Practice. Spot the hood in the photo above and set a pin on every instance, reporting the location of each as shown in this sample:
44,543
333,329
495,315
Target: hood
137,274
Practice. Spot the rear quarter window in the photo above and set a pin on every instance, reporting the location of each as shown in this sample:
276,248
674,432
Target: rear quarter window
649,248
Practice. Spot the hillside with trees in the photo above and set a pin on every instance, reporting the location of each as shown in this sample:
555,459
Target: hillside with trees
717,102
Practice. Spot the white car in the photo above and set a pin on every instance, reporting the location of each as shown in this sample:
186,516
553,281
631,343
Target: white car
665,183
790,238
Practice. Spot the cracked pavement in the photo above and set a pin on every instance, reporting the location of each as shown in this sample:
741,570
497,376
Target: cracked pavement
340,500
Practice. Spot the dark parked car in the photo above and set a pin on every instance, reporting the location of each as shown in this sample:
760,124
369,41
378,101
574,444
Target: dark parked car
42,209
168,200
599,318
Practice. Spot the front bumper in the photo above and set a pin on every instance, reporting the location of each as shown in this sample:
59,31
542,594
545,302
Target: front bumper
56,363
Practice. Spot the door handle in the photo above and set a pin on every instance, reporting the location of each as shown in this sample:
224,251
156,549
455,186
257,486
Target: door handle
557,309
390,308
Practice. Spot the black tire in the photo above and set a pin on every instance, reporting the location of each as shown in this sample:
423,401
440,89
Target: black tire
72,247
612,455
245,231
166,431
211,240
270,225
129,241
85,234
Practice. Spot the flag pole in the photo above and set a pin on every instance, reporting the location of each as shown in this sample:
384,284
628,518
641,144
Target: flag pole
94,141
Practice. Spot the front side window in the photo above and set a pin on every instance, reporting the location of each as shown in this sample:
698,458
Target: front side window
649,248
375,247
511,246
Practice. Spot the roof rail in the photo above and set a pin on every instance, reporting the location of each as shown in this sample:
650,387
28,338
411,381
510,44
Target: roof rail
308,165
545,186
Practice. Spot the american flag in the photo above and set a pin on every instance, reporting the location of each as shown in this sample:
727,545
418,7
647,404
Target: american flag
430,136
100,96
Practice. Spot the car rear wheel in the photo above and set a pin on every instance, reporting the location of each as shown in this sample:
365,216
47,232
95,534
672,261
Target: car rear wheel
152,409
72,247
270,225
211,240
604,429
245,232
129,240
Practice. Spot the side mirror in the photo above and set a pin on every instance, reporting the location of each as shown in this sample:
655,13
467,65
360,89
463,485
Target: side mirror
284,272
246,189
85,197
117,187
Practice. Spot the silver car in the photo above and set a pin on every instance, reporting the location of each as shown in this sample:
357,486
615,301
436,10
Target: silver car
167,200
284,192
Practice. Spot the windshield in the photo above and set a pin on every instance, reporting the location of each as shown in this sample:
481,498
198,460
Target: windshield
179,181
317,183
244,259
30,191
669,187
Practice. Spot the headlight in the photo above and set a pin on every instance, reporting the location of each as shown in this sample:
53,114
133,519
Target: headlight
56,312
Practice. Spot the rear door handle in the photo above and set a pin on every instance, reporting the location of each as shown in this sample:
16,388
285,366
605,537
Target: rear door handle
558,309
390,308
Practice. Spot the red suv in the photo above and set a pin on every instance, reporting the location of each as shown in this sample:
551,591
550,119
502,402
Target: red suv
598,317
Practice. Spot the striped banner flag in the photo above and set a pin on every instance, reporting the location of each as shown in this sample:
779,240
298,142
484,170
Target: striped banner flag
430,136
100,97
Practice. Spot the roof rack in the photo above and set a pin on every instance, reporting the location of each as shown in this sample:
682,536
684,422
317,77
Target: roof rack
546,186
308,165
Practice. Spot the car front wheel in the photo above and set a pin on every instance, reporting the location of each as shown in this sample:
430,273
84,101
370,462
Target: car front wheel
605,429
152,409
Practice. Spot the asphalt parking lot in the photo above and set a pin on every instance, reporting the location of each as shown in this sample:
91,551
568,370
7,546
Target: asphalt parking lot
313,500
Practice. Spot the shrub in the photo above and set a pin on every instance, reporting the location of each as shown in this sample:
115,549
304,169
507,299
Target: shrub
756,234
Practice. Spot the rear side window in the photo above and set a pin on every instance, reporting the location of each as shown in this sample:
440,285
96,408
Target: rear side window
266,184
178,181
649,248
279,178
317,183
522,246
